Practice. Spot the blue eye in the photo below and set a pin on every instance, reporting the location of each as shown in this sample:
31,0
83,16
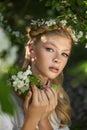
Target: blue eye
49,49
65,55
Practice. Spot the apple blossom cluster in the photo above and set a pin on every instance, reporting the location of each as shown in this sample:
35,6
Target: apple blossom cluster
21,81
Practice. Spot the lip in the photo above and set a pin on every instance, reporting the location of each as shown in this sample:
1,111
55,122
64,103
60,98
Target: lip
54,69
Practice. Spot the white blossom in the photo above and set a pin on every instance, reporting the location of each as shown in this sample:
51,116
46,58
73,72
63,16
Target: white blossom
39,23
75,17
13,77
33,22
64,1
74,37
24,75
42,22
50,22
86,45
64,22
16,33
1,17
69,15
8,29
27,80
20,82
15,82
86,36
10,55
20,75
28,71
80,34
4,41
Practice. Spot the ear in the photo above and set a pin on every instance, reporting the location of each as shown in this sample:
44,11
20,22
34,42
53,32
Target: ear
29,49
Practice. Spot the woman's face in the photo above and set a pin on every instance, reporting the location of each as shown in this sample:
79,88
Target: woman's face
52,54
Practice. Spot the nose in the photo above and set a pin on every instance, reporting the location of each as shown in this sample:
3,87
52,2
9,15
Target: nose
57,59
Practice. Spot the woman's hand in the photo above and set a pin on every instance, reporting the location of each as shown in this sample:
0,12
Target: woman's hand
52,101
44,123
35,104
39,104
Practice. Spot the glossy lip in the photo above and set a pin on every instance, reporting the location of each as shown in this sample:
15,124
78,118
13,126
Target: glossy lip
53,69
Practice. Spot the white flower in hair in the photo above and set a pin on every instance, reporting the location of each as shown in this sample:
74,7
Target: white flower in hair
42,22
33,22
50,22
37,22
64,22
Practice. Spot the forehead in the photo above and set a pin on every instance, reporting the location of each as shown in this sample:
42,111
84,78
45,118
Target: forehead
56,33
56,40
61,32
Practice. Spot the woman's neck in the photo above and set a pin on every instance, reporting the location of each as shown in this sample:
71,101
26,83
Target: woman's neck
44,80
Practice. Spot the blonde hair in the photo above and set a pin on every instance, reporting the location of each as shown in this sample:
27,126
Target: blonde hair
63,109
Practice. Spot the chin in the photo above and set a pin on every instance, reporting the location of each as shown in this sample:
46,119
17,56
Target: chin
53,77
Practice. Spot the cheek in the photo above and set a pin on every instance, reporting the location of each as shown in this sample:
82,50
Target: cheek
39,58
41,55
64,62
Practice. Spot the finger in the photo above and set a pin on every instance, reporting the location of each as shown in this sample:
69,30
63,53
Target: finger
44,96
52,92
55,95
51,97
50,100
49,93
27,101
40,96
35,93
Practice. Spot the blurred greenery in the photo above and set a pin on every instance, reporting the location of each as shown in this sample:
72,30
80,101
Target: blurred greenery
14,18
5,97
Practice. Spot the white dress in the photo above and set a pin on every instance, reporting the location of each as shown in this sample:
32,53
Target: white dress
8,122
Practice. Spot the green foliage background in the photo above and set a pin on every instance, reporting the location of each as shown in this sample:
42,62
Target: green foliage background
17,14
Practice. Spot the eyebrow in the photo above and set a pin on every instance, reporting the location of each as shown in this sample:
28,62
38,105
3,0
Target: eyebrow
55,46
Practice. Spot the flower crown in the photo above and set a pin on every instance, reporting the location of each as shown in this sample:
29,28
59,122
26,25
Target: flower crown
40,22
52,24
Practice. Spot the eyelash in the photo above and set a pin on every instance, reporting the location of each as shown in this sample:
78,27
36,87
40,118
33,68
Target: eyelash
49,49
65,55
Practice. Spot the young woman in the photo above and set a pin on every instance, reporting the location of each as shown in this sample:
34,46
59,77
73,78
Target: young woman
47,52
